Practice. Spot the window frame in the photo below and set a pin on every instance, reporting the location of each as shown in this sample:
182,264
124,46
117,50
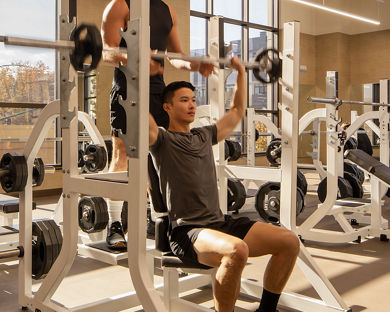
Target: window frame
246,25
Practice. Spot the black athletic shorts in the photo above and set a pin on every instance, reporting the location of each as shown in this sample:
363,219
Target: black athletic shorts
183,237
118,113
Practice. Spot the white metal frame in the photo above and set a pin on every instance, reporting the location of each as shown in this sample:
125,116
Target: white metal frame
375,223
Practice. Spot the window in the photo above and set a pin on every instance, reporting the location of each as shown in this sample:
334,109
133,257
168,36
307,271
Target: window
27,75
249,26
199,5
228,8
198,48
259,12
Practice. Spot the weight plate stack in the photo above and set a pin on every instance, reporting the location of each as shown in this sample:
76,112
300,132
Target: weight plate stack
344,189
357,188
15,180
268,202
46,246
236,194
93,214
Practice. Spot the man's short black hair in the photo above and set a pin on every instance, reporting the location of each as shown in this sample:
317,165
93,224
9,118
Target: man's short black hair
170,89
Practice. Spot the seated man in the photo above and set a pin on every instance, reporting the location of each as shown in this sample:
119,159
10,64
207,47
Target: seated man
199,231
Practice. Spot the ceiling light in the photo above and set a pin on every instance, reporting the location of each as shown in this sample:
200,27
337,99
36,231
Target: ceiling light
325,8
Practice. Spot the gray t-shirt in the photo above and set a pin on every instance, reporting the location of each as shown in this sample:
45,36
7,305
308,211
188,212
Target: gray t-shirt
188,182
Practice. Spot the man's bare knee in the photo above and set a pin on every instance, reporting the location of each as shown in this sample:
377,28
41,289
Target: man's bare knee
238,256
291,243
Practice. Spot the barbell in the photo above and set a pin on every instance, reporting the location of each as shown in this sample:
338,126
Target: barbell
338,102
85,40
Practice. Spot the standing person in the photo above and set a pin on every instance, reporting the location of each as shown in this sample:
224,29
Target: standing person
163,36
198,231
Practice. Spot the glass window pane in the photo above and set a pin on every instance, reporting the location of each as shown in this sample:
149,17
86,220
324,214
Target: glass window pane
258,12
228,8
198,5
233,36
198,48
26,74
258,92
16,125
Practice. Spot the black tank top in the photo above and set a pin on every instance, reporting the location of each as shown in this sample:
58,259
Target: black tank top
160,27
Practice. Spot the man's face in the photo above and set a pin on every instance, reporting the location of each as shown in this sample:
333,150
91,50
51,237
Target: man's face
183,106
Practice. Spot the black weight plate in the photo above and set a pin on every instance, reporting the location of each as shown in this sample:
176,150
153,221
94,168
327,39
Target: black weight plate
90,45
93,214
269,194
15,180
364,143
350,144
226,147
271,61
87,214
352,168
360,175
42,255
99,156
109,150
257,135
38,172
262,201
56,238
124,213
301,182
102,215
357,187
300,201
274,152
236,194
234,150
80,162
344,189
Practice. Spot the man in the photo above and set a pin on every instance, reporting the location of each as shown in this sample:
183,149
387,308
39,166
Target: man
163,36
198,230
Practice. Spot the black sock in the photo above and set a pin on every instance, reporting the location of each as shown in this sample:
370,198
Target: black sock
269,301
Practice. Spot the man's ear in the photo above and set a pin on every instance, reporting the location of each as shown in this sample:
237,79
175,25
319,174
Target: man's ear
166,106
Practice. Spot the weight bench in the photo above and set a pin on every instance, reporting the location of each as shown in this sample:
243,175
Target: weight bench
171,264
12,206
370,164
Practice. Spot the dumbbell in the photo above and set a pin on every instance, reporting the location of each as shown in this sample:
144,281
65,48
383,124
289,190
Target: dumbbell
46,246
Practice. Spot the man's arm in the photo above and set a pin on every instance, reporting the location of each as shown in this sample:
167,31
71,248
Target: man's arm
230,120
153,130
173,45
115,17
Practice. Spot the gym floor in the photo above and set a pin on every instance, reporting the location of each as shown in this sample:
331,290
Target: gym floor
359,272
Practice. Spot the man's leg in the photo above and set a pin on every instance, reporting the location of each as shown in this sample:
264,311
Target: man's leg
115,236
229,254
283,245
